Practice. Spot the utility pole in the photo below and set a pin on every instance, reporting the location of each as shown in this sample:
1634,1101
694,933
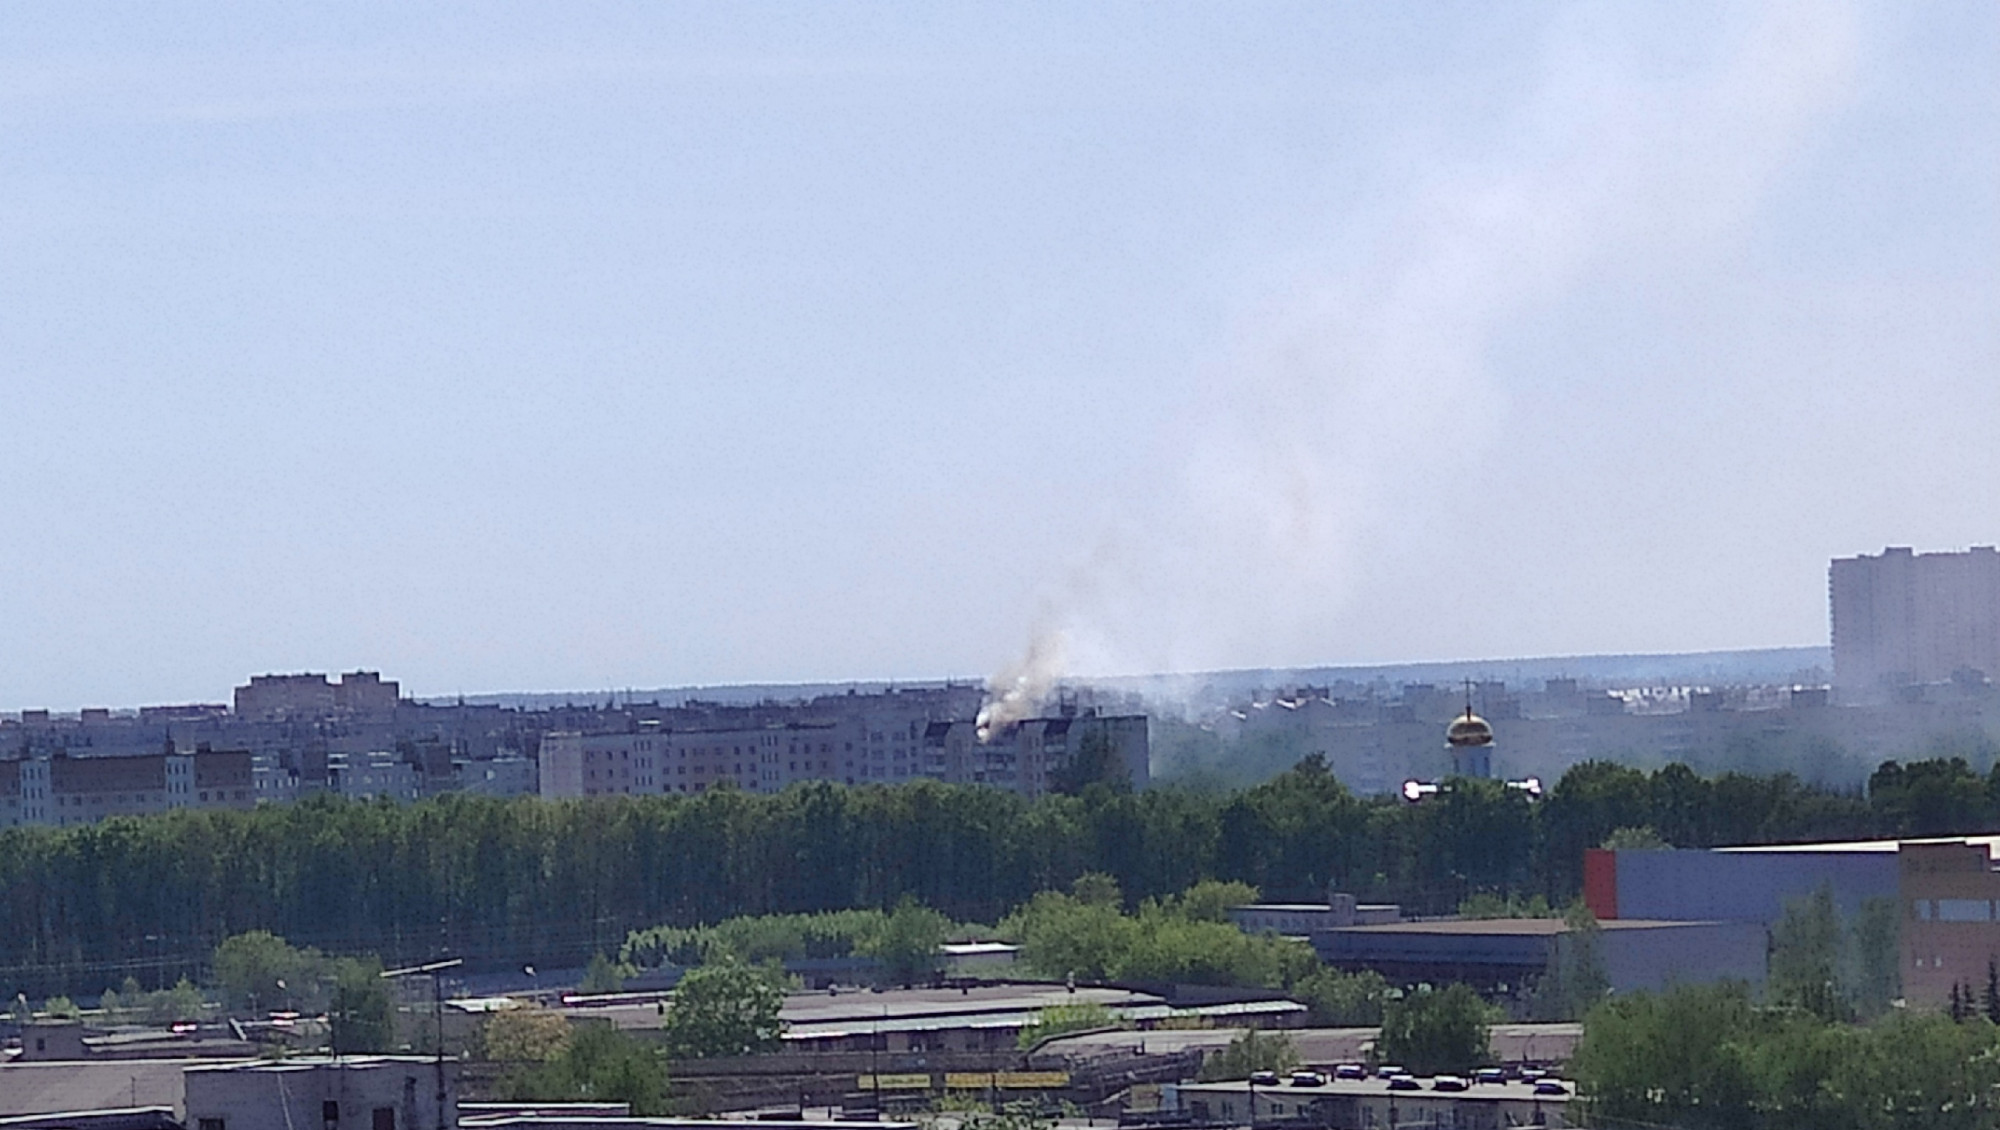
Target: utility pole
436,970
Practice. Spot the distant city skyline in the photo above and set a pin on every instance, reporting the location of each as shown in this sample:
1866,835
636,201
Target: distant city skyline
627,345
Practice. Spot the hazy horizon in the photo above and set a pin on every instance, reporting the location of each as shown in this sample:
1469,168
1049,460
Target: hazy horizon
621,345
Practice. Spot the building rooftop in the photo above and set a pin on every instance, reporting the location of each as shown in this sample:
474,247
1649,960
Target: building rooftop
1889,847
1513,1090
56,1086
1518,927
1317,1047
301,1063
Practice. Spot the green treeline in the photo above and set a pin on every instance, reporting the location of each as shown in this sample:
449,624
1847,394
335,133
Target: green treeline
1712,1058
529,880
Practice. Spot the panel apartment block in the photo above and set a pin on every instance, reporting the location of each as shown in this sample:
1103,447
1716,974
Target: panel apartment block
1903,617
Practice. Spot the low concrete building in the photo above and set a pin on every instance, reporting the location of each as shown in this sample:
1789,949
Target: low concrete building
1509,953
353,1093
1944,893
1300,919
1375,1104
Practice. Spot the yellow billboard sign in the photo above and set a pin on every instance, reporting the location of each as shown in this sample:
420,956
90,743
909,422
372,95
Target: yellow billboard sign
1006,1080
1031,1080
913,1082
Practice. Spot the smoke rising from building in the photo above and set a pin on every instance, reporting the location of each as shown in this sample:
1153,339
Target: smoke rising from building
1018,692
1351,434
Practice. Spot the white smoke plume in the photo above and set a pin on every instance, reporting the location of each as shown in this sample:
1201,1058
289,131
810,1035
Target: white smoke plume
1019,691
1366,394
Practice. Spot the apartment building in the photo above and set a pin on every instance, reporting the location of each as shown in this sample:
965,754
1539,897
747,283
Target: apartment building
1903,617
64,791
655,760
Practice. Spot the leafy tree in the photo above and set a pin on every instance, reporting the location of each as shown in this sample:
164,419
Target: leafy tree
1935,797
1669,1059
602,976
361,1014
755,938
1806,950
1251,1052
1486,904
61,1008
1575,980
1436,1030
1343,1000
530,1034
724,1008
1642,838
170,1006
1063,935
259,971
1705,1057
1098,890
598,1063
1210,900
907,944
1058,1019
1878,976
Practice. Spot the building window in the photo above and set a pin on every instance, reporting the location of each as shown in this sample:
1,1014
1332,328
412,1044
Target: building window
1964,910
384,1118
209,1124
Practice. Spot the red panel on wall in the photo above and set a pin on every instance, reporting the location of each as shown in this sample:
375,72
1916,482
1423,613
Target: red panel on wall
1600,882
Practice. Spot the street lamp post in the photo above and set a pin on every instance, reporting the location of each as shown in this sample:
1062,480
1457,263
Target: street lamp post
436,970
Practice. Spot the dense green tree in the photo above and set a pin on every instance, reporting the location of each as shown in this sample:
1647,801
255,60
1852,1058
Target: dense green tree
1062,1019
1806,957
1706,1058
724,1008
1087,936
907,942
258,971
597,1063
555,882
171,1006
525,1035
602,975
1343,1000
362,1016
1250,1052
1670,1059
1876,946
1436,1030
1935,797
1575,980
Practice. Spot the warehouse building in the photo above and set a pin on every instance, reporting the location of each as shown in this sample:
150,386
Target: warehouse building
1944,893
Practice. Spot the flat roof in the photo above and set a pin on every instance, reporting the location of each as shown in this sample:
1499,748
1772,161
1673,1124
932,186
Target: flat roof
63,1086
1990,843
1318,1047
1511,927
315,1062
1511,1091
909,1009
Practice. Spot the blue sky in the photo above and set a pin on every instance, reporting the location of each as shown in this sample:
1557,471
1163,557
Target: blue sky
591,345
